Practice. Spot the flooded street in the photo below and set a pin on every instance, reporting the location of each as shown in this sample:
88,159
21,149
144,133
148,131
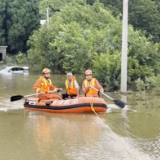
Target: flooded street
117,135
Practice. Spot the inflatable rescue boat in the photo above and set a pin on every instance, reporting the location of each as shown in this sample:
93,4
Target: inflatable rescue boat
76,105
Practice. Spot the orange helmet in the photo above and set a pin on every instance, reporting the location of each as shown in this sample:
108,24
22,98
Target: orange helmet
46,70
88,71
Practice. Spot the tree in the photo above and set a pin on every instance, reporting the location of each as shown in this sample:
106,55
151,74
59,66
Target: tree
73,34
56,5
158,4
2,25
84,36
18,20
114,5
143,14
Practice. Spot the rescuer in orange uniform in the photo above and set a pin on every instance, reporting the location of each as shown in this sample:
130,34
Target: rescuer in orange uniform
90,92
44,84
72,87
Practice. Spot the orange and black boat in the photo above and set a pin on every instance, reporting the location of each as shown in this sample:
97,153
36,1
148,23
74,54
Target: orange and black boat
76,105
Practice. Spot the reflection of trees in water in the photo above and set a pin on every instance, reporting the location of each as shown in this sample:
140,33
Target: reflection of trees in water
60,134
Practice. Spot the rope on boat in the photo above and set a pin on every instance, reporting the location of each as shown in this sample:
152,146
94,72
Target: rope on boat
93,108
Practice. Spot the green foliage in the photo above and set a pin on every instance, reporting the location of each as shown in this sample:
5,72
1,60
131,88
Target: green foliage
11,60
149,84
143,14
76,32
142,60
74,44
18,19
2,17
140,85
158,4
83,36
143,51
21,58
135,70
56,5
107,69
153,83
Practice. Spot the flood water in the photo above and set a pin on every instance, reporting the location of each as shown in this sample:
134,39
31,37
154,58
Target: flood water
116,135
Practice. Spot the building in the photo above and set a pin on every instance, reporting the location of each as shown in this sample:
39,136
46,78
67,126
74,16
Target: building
3,53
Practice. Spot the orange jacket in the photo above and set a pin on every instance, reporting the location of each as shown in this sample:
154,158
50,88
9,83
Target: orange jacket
89,91
71,88
43,85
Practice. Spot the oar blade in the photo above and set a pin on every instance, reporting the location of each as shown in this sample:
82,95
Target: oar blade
119,103
16,98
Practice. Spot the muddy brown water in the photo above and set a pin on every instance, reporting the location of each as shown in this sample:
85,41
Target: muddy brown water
116,135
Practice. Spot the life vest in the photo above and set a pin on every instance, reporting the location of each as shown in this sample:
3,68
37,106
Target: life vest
91,91
45,85
71,88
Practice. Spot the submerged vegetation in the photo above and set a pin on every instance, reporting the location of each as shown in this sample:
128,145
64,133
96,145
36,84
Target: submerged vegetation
147,87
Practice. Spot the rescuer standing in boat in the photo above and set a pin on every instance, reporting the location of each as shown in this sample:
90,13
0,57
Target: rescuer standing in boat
90,81
44,84
72,87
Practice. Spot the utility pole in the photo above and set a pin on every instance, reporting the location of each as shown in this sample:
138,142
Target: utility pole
124,47
47,17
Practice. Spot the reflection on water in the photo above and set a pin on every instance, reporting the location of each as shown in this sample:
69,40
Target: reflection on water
120,135
63,133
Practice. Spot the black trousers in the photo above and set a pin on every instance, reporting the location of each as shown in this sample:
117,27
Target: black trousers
64,96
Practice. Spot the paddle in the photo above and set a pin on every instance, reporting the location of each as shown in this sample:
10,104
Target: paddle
119,103
18,97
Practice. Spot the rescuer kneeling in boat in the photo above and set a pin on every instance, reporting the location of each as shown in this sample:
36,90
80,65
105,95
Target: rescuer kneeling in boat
72,87
90,81
44,85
